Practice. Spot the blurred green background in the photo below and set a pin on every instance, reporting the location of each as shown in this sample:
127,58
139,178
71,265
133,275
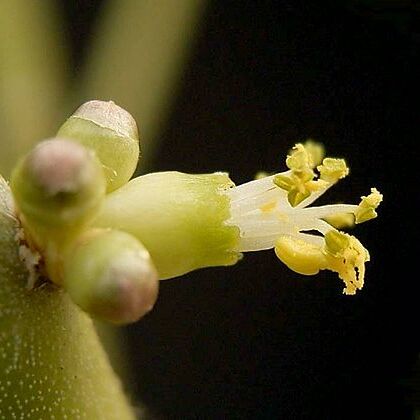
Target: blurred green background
231,86
52,60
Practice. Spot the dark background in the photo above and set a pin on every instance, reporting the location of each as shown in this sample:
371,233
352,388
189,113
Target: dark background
256,340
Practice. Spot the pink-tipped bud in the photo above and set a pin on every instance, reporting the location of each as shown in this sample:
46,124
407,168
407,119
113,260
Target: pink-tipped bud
59,182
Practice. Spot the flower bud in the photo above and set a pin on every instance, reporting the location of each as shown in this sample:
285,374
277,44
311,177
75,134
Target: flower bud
110,275
58,184
112,133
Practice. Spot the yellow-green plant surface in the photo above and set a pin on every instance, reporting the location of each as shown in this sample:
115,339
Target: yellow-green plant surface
51,362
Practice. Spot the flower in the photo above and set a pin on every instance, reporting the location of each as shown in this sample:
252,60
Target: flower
189,221
107,239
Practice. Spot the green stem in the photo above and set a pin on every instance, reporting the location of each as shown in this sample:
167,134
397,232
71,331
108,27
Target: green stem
51,362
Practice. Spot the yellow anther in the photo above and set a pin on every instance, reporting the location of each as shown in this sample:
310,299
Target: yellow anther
299,158
300,183
315,185
346,256
368,205
300,256
316,152
284,182
333,169
304,176
342,253
336,242
297,195
298,190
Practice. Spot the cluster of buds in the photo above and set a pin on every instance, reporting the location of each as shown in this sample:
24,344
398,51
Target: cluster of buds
59,189
108,240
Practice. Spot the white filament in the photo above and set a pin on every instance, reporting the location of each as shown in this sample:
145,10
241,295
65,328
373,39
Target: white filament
263,213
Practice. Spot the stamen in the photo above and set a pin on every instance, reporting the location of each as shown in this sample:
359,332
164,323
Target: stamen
366,209
272,212
329,210
333,170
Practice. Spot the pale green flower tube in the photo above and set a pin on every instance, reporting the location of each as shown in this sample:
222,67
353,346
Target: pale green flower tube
180,219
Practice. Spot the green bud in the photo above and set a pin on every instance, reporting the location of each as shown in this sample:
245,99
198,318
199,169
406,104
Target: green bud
110,275
112,133
59,184
180,218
